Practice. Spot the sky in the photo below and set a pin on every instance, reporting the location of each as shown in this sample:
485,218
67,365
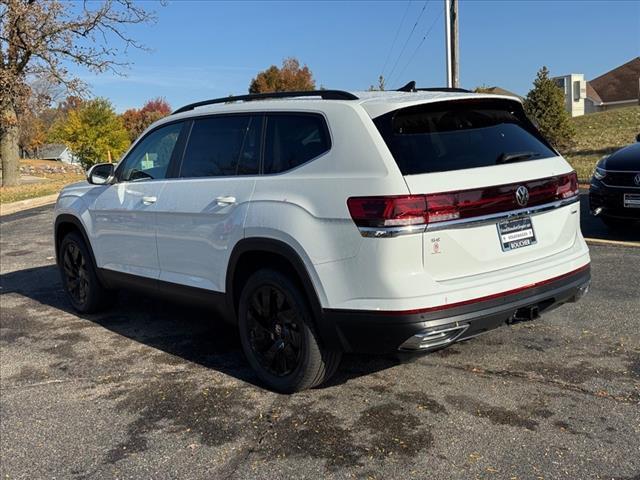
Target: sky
201,49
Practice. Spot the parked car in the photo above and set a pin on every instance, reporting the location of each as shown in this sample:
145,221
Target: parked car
328,222
614,193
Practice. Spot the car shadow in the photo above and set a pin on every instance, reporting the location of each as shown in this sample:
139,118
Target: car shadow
593,227
188,332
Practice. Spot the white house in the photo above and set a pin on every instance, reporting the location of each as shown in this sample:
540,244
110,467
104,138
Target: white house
617,88
58,152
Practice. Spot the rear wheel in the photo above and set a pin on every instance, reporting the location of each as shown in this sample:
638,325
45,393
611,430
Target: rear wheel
278,337
79,277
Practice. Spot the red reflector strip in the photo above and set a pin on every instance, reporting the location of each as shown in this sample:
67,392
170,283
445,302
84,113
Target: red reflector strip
406,210
485,298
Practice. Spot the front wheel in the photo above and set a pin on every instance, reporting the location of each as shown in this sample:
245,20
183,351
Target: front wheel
277,334
79,278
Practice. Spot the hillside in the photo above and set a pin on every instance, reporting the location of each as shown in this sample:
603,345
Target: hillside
600,133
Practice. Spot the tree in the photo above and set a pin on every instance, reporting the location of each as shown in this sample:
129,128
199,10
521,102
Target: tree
94,132
136,121
289,78
36,119
380,85
545,105
38,39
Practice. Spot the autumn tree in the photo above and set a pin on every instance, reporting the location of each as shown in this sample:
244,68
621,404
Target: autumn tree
289,78
136,120
38,39
545,105
94,132
37,117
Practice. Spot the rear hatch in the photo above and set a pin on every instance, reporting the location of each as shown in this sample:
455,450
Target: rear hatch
497,194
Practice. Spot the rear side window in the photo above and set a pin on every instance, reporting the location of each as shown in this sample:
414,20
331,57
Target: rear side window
222,146
294,139
458,135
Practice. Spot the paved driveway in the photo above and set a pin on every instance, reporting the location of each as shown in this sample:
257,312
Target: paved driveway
155,390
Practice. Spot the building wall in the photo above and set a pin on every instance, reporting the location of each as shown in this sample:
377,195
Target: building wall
591,107
573,86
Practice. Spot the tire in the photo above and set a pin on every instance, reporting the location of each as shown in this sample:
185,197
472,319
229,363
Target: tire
278,337
79,277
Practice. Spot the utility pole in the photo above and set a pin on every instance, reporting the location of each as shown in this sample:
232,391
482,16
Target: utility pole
455,51
447,40
451,42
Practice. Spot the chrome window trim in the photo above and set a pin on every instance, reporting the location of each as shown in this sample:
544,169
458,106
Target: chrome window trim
388,232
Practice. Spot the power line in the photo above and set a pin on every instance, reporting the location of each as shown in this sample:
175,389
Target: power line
395,38
408,38
420,44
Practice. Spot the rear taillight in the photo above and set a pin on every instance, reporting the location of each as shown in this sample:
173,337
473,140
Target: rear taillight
412,210
395,211
567,186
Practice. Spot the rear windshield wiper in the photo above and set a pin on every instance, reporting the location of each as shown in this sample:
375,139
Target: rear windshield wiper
507,157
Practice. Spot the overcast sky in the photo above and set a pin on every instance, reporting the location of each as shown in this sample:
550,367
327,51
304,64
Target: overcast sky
209,49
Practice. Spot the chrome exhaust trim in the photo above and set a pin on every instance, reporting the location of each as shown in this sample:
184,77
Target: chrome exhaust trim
437,337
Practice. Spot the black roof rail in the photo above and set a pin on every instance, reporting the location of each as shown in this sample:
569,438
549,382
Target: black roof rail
443,89
411,87
324,94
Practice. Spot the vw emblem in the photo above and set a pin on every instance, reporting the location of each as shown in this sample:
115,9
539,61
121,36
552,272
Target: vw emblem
522,196
636,179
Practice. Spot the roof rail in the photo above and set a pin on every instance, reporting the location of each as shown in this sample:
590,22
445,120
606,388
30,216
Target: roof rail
411,87
324,94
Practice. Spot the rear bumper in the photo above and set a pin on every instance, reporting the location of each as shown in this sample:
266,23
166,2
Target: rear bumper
384,332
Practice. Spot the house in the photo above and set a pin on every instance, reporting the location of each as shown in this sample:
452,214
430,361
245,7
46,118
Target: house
57,152
498,91
617,88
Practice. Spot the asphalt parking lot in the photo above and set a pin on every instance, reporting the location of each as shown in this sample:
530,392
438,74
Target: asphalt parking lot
157,390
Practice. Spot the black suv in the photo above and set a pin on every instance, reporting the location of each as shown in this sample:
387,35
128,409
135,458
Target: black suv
614,195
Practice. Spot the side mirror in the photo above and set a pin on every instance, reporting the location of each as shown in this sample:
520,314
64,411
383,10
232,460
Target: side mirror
100,173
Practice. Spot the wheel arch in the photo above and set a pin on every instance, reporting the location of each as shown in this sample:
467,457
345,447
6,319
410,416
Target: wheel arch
65,224
251,254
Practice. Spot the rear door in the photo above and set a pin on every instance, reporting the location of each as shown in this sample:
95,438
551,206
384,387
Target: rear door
497,193
201,213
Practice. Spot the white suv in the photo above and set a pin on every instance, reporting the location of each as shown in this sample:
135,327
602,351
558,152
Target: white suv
329,222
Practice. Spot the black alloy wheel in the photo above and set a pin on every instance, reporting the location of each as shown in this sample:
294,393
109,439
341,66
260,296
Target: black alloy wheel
74,266
79,278
274,332
278,334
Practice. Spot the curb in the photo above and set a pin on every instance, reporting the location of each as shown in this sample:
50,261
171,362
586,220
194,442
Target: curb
619,243
13,207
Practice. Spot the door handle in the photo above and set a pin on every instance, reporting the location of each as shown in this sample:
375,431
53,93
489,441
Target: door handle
227,200
149,200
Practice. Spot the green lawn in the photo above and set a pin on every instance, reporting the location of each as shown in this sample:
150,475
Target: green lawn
600,133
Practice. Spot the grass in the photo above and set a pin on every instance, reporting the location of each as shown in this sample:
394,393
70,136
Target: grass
53,184
598,134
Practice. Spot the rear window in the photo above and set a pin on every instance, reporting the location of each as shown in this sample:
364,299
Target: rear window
458,135
294,139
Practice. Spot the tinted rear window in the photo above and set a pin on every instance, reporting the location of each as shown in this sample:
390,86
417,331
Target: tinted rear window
292,140
459,135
